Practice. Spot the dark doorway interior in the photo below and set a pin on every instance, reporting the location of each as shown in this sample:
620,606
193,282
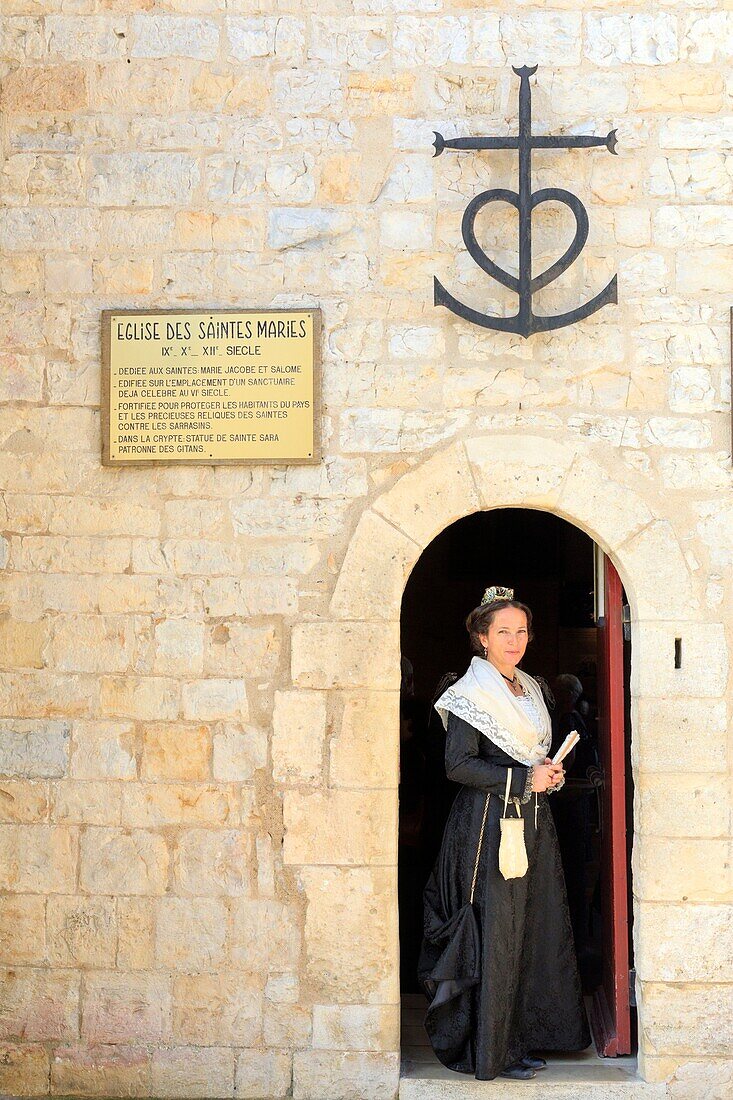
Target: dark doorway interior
551,565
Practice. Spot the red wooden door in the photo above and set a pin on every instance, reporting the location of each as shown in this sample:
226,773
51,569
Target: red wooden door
611,1013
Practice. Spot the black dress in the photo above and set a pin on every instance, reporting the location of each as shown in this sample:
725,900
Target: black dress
526,994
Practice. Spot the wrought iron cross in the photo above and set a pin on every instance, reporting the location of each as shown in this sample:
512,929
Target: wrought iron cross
525,321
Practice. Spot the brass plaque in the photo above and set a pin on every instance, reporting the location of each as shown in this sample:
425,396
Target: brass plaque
210,386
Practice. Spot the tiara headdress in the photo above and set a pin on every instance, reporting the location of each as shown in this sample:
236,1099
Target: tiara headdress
497,592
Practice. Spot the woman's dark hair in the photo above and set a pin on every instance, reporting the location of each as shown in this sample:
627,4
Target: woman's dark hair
481,618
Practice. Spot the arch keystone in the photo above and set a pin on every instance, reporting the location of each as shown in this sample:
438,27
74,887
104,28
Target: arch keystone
525,472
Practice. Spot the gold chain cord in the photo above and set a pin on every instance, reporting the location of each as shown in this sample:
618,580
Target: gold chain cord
480,841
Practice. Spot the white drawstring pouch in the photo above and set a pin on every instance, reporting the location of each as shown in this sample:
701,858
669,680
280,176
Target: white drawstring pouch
512,851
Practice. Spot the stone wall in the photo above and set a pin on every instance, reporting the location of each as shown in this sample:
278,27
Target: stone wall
199,666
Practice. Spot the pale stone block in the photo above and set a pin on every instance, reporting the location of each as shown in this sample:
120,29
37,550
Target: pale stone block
190,933
332,1075
356,1027
142,179
155,804
103,750
217,1008
288,227
696,1079
697,133
82,932
427,42
705,270
639,39
355,654
679,735
250,595
351,934
101,1070
86,802
63,228
232,179
22,644
287,1026
340,827
658,799
24,1070
704,658
88,643
405,229
22,929
38,859
679,88
708,37
23,801
39,1005
283,989
176,751
68,274
174,36
374,572
187,1073
416,342
652,563
265,36
607,509
265,937
691,390
667,431
85,37
513,472
238,752
308,91
263,1073
542,38
242,649
212,862
212,699
142,697
136,934
117,862
34,749
430,497
298,734
124,1008
359,753
410,180
354,41
30,90
683,869
179,647
289,177
683,943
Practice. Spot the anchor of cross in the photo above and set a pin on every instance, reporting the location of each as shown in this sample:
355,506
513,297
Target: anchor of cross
525,321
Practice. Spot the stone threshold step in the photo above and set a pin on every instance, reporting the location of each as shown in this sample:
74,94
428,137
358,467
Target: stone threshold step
423,1081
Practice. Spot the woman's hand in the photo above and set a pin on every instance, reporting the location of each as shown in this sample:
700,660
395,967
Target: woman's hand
547,775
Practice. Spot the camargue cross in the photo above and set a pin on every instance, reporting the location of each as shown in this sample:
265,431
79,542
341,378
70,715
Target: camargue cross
525,322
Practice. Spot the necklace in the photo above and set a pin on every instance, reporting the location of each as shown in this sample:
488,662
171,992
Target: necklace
511,680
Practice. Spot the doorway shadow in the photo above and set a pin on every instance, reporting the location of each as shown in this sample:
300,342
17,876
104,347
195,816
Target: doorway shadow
552,566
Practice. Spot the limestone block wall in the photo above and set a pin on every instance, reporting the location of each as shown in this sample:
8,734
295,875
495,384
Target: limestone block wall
199,667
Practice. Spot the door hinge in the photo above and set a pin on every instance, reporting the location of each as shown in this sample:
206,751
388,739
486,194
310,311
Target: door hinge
632,987
626,622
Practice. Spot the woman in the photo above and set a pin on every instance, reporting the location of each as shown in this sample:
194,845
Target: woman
505,983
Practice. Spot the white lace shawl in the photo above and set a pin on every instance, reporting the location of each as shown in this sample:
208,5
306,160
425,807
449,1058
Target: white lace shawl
470,699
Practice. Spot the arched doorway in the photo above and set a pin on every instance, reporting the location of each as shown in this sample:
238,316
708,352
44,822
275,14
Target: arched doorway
559,571
580,479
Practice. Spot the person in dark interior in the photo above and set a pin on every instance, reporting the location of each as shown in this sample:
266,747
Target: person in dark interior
573,806
499,965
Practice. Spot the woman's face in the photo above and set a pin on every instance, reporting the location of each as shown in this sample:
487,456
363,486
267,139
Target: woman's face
507,637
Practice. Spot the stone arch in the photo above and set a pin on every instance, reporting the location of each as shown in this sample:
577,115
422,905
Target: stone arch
584,483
